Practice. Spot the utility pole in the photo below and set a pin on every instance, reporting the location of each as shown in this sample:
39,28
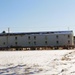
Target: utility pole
8,30
8,37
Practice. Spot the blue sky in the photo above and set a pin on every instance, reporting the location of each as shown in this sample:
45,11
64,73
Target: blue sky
37,15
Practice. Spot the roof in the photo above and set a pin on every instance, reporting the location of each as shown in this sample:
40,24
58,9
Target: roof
32,33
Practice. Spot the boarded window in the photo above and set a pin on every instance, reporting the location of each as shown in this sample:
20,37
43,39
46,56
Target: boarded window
46,42
34,42
3,43
34,37
68,41
15,38
16,43
57,42
57,36
68,36
29,37
29,42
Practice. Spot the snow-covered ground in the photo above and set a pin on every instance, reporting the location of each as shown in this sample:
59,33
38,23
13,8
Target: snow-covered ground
51,62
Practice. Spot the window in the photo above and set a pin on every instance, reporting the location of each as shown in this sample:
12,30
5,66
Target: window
68,41
45,42
34,37
34,42
68,36
29,37
57,36
16,43
4,43
57,42
28,42
15,38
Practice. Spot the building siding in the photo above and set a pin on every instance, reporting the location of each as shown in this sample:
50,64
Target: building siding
37,39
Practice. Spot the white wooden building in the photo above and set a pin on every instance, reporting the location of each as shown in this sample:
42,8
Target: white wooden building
37,39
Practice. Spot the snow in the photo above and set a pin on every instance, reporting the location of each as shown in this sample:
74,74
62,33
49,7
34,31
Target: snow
47,62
